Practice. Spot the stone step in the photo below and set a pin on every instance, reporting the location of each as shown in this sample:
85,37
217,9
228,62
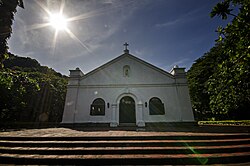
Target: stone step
146,137
126,150
135,149
146,159
126,143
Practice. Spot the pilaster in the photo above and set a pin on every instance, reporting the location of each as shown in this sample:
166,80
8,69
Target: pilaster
139,116
114,120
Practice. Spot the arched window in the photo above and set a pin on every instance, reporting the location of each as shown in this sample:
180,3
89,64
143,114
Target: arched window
97,107
126,71
156,107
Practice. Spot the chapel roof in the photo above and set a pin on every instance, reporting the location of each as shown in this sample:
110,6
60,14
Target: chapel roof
124,55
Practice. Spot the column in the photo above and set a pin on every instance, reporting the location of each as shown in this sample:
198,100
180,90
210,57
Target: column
114,119
139,115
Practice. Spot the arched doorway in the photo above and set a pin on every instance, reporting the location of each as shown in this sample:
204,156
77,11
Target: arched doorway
127,110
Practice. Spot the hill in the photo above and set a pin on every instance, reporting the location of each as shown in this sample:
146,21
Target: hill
27,64
30,93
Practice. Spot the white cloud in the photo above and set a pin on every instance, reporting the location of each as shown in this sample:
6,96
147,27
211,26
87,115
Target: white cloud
192,15
107,1
168,23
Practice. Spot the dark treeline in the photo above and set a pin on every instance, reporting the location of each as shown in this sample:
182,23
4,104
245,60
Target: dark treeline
30,92
219,81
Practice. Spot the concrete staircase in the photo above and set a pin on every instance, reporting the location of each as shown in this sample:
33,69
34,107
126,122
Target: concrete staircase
127,150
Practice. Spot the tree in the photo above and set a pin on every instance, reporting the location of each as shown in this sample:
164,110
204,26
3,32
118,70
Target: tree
229,86
7,8
198,77
16,89
30,92
224,89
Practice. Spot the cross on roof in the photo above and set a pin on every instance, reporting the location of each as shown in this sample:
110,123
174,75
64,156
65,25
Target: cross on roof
126,45
126,51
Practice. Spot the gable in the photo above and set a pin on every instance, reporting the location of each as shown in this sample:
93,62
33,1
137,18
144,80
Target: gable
127,69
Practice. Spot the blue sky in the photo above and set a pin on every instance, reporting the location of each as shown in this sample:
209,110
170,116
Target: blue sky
162,32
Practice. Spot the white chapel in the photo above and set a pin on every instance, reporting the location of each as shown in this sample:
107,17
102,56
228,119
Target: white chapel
127,90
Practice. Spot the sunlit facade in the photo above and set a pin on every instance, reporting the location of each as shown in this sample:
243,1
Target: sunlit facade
127,90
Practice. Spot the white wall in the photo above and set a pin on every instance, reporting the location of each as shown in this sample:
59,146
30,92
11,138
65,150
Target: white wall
140,74
144,82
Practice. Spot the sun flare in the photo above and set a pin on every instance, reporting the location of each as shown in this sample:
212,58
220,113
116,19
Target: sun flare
58,21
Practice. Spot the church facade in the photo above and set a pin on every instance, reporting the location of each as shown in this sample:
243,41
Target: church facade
127,90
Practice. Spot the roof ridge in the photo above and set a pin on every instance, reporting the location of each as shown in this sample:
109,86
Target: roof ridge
130,56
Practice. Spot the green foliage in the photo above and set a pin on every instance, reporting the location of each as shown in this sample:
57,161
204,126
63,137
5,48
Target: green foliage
224,91
21,62
27,64
221,9
198,76
50,100
7,8
226,122
30,92
229,85
16,89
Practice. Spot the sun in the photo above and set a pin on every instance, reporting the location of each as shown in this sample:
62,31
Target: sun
58,21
